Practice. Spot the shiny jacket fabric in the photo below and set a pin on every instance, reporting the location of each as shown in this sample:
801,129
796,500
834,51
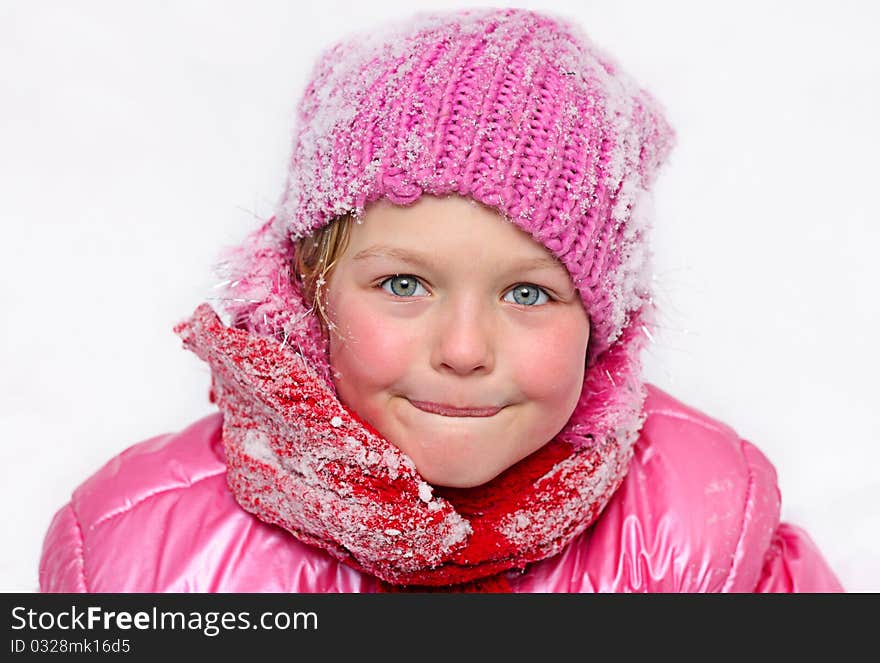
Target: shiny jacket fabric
697,512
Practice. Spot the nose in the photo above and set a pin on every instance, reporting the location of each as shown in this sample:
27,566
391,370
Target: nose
464,341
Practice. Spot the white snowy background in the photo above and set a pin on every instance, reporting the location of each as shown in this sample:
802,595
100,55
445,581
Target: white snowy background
138,138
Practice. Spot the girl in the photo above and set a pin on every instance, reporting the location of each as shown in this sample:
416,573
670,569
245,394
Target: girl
427,363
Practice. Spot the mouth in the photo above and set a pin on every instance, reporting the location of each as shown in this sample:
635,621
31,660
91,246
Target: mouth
450,411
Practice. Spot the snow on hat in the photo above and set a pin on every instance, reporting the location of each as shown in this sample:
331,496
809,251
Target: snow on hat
510,107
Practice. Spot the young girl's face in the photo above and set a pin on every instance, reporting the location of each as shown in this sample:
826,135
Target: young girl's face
444,304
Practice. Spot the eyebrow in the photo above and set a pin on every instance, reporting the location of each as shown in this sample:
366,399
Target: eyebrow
424,260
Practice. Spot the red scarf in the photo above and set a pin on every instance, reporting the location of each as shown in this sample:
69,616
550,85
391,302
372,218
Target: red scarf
298,458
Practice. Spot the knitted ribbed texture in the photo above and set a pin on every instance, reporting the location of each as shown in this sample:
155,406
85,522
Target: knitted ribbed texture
510,107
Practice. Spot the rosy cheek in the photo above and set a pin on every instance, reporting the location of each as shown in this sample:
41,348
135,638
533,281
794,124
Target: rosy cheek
550,361
379,348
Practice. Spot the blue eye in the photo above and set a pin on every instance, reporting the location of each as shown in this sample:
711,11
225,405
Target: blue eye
527,295
407,285
402,285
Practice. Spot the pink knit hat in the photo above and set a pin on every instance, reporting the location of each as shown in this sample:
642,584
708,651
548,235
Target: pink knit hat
510,107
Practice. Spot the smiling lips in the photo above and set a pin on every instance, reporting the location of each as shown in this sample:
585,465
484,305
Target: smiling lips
449,411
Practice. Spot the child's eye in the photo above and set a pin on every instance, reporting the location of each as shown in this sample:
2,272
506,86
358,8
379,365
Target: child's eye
402,285
526,294
407,285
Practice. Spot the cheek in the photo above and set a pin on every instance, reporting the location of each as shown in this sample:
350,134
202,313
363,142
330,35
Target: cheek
549,362
367,347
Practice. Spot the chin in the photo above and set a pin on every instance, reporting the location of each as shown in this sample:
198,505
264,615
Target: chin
447,478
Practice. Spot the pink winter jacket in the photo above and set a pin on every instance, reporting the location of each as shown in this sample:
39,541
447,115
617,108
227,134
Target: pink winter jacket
697,512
